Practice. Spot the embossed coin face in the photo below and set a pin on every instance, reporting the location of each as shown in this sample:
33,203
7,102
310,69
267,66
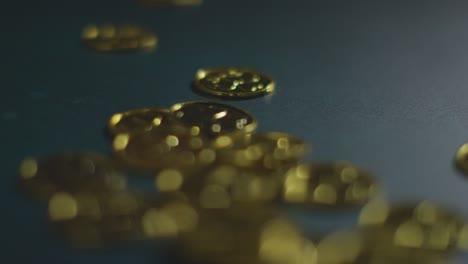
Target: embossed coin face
213,119
138,120
328,184
117,38
233,83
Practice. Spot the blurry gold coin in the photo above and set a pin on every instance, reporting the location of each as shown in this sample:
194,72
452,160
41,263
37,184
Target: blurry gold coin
271,150
70,172
461,158
234,83
247,235
423,225
340,247
223,185
161,149
94,219
328,184
62,206
118,38
213,119
138,120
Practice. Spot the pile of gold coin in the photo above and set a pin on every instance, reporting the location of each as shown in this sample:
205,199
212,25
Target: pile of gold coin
218,186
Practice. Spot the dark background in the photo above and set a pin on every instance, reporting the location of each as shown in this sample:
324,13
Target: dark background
379,83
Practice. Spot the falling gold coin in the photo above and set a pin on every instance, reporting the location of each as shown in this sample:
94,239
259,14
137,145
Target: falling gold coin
138,120
328,184
233,83
213,119
118,38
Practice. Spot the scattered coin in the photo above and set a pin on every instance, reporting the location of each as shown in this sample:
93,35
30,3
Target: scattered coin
216,181
233,83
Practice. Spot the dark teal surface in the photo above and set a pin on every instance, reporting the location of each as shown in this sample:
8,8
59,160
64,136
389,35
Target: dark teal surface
379,83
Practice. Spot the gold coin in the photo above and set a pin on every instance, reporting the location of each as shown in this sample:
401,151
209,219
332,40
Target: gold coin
70,172
138,120
340,247
213,119
355,247
422,225
461,158
162,149
117,38
233,83
272,150
95,219
221,186
328,184
163,3
89,219
247,234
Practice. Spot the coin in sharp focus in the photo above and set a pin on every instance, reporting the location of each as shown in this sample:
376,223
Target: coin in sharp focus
233,83
118,38
70,172
328,184
164,3
271,150
162,149
138,120
213,119
423,225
